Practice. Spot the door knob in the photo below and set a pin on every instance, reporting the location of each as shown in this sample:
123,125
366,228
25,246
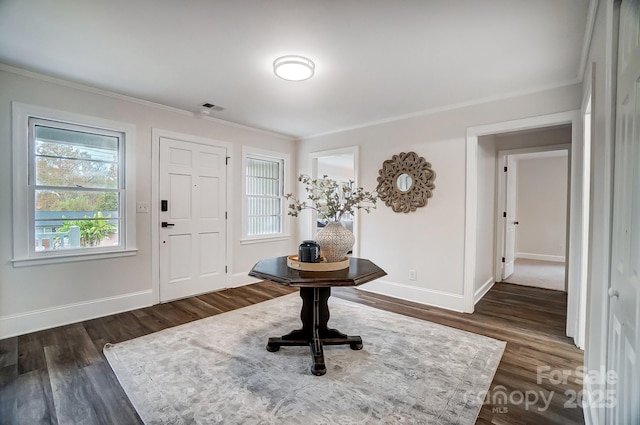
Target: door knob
165,224
613,293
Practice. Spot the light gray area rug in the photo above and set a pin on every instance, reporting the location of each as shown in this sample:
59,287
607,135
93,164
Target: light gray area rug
217,370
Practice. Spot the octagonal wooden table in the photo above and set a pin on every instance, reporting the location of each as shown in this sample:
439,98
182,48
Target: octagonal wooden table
315,290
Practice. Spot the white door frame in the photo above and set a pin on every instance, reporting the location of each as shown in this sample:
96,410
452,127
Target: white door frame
471,211
156,134
313,166
502,201
507,196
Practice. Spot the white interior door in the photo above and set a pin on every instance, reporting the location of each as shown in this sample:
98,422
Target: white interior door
193,230
510,220
624,326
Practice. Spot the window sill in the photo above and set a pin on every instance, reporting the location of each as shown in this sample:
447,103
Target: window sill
264,239
68,258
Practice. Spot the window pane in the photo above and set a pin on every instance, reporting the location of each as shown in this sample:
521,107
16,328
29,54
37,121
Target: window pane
264,215
76,219
56,230
263,177
264,191
263,186
57,171
263,168
68,201
76,144
263,225
259,206
75,159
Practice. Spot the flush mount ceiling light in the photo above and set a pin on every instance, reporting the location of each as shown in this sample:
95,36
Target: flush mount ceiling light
293,68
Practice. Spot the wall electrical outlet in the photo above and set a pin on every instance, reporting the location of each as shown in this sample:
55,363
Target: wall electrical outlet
413,275
142,207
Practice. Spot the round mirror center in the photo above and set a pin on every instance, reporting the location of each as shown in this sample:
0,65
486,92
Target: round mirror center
404,182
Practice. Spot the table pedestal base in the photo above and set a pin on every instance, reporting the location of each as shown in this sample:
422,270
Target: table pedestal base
314,332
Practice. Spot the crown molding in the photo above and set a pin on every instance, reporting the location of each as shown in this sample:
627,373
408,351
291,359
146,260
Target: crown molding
114,95
445,108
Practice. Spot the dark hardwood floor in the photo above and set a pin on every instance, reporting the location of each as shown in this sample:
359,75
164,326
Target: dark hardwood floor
60,376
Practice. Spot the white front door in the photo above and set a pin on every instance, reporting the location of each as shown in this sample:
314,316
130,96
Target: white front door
624,291
510,220
193,227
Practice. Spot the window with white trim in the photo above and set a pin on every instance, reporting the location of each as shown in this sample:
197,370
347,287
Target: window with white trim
76,183
73,201
264,188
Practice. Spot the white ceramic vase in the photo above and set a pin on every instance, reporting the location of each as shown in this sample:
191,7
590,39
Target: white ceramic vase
335,241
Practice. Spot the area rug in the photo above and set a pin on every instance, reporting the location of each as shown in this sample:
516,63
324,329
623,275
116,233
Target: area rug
217,370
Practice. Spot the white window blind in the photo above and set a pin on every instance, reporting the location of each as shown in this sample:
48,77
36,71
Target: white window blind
264,194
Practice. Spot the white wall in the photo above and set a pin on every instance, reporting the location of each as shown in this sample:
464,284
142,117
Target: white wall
557,135
430,240
333,167
49,295
541,208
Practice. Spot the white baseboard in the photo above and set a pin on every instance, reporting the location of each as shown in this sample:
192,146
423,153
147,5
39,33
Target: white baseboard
415,294
482,291
37,320
541,257
242,279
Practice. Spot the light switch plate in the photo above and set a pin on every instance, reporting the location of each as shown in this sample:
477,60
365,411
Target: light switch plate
142,207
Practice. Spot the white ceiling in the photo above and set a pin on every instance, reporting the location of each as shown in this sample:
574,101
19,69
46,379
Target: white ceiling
375,60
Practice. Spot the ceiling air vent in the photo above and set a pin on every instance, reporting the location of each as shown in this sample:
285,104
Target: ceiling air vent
213,107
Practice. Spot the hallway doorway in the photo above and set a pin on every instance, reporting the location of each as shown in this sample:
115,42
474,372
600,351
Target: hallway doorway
532,234
483,216
340,165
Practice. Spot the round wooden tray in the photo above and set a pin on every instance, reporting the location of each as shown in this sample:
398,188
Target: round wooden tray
322,266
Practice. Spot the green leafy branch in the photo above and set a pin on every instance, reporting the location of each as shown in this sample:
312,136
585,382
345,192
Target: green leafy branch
93,231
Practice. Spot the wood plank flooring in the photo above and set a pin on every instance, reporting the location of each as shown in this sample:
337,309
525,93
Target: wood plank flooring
60,376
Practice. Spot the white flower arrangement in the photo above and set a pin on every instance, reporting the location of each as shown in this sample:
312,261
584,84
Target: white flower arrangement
330,199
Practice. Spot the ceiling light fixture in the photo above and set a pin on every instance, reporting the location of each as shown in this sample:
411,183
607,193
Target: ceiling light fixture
294,68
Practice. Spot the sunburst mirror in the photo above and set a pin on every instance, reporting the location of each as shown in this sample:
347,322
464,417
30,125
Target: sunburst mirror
405,182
